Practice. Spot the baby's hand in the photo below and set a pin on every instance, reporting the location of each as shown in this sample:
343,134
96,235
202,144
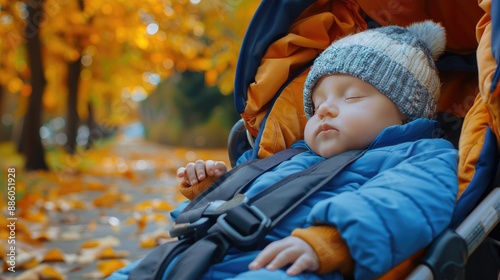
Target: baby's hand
198,171
290,250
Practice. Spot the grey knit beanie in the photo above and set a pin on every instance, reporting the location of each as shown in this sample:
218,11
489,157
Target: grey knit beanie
398,61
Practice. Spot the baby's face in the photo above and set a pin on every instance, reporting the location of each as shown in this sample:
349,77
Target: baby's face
348,115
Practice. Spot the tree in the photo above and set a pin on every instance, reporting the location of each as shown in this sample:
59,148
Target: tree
35,158
1,99
100,55
126,48
72,119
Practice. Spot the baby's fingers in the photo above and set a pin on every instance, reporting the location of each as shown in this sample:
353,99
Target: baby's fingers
210,167
220,168
266,256
284,258
190,172
195,172
199,167
215,168
181,173
303,263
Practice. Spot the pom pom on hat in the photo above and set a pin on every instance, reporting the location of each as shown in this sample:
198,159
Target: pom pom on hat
398,61
432,35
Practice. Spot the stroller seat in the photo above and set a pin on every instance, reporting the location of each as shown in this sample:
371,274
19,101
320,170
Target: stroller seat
285,36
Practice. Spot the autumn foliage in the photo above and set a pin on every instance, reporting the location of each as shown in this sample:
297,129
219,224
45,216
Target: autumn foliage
125,47
97,210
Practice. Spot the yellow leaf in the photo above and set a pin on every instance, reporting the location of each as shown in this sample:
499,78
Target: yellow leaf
110,253
157,217
70,186
33,262
15,85
148,242
226,83
106,200
211,77
77,204
51,273
54,255
141,41
43,236
108,267
90,244
96,186
107,253
155,205
202,64
142,222
92,225
34,216
29,200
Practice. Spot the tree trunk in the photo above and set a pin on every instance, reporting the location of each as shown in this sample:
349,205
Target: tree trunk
4,135
72,120
92,127
1,100
20,136
35,156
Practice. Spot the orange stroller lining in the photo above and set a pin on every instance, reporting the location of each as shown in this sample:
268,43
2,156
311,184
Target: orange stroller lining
487,66
326,21
486,110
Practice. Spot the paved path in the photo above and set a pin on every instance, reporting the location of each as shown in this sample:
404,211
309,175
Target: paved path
121,199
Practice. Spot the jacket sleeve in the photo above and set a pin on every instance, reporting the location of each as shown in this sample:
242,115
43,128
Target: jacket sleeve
331,249
191,192
398,211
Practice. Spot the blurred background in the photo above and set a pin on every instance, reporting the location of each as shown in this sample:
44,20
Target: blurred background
76,72
100,103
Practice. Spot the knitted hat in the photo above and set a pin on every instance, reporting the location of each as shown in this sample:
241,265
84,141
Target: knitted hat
398,61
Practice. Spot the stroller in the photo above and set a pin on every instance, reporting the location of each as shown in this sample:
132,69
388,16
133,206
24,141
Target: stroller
278,41
284,38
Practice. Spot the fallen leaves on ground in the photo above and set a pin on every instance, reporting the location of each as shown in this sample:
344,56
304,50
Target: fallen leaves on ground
94,213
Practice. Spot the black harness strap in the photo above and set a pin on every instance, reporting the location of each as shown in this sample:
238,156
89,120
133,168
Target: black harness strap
226,186
247,172
194,262
248,222
277,203
155,263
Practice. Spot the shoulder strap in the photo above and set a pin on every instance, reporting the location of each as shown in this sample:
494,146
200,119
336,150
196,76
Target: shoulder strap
281,198
229,184
247,223
155,263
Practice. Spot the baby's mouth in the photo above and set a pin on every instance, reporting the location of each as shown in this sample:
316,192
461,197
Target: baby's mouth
326,127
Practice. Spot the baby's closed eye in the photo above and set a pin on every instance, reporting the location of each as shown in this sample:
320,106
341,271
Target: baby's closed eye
353,97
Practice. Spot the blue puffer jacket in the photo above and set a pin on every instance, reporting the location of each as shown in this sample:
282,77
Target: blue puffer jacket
387,205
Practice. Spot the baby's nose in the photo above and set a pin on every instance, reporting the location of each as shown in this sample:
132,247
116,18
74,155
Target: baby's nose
327,109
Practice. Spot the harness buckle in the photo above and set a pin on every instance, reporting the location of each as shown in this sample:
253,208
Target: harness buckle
242,223
219,207
243,231
197,229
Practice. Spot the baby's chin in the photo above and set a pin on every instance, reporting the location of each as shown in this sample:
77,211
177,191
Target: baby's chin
327,153
321,149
